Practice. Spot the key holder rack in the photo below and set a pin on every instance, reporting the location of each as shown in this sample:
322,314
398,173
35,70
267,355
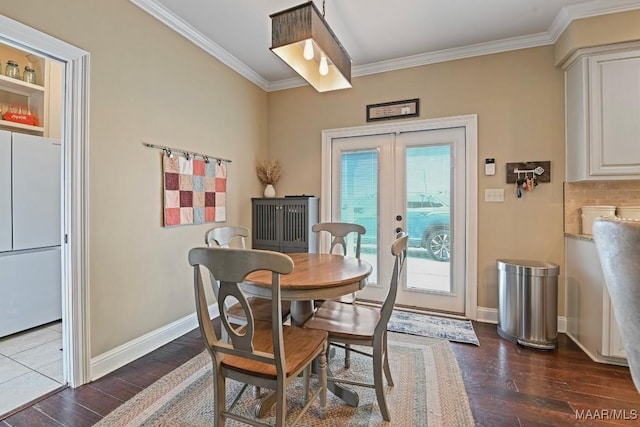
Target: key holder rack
541,171
537,171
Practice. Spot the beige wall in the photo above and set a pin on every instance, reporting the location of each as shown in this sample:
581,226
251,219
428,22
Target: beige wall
597,31
519,99
148,84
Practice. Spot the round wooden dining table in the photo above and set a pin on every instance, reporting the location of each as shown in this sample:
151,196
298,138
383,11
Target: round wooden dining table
314,276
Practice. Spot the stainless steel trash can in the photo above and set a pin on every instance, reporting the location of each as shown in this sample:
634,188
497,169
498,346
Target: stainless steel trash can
528,302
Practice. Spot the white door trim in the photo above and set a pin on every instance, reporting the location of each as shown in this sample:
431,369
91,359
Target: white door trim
470,124
75,192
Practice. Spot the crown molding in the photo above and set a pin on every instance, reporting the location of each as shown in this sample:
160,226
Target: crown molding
287,84
585,10
444,55
172,21
566,15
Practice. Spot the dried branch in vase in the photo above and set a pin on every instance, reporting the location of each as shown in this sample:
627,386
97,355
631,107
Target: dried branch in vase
269,171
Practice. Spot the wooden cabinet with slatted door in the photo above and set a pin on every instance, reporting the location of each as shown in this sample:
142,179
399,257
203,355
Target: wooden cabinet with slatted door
284,224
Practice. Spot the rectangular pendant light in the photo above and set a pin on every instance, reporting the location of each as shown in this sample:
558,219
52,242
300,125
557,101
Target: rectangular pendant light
300,26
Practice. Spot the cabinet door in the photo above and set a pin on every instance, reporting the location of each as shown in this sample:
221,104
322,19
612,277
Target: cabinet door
266,219
30,289
612,341
295,228
614,111
5,191
577,121
36,191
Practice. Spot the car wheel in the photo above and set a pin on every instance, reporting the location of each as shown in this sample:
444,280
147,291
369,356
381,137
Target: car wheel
438,244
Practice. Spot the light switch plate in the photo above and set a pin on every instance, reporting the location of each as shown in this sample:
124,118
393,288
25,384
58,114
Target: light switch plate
494,195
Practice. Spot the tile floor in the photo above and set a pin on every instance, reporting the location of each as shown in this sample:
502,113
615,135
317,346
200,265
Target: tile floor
30,365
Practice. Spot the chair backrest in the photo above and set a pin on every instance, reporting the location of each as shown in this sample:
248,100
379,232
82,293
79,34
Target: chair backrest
231,266
223,236
339,231
618,245
399,251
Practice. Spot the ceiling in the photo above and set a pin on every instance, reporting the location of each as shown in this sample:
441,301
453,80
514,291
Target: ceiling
378,35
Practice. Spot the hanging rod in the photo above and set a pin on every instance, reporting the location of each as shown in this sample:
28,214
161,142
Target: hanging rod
187,154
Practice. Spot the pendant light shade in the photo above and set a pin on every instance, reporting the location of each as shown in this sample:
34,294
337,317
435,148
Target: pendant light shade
301,32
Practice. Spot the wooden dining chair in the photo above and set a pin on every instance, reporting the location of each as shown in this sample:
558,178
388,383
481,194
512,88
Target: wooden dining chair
353,324
263,354
618,245
223,237
338,231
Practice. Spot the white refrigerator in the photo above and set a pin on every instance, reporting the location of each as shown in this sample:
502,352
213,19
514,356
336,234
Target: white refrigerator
30,231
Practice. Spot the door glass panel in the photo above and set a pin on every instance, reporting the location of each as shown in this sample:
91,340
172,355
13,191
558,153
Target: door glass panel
428,213
359,202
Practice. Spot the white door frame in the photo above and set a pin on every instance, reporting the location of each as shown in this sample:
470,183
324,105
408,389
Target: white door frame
470,124
75,190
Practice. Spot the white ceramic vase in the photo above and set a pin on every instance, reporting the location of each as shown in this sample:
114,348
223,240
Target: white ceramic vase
269,191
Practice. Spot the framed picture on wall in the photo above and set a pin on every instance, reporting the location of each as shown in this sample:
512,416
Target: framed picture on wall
393,110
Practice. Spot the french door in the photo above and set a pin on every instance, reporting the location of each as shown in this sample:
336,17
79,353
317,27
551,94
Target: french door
413,181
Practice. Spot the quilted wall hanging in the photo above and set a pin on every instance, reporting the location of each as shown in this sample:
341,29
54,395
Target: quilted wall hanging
195,190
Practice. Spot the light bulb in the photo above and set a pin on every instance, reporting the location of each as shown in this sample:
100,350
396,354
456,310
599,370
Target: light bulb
324,66
308,50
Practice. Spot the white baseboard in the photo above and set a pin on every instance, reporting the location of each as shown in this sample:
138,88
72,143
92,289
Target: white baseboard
490,315
118,357
620,361
487,315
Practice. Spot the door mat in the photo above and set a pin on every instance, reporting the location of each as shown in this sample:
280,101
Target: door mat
426,325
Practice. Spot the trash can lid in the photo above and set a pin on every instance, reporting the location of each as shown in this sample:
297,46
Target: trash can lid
528,267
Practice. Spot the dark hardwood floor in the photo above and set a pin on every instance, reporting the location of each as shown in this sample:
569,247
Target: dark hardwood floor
507,385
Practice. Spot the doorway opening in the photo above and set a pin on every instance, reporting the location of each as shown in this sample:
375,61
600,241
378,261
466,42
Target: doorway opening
73,125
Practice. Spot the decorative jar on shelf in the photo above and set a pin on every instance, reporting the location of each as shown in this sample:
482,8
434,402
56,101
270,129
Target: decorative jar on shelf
269,191
12,70
29,75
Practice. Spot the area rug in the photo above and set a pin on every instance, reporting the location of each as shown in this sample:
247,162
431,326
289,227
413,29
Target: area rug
433,326
428,391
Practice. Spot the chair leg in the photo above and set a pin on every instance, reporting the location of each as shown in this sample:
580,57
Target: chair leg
378,381
219,402
281,405
306,379
387,370
347,356
323,383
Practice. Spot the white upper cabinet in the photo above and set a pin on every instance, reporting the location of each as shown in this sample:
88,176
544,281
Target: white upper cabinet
602,91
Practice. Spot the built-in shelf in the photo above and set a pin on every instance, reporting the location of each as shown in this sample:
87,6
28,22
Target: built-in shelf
13,125
16,92
19,87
